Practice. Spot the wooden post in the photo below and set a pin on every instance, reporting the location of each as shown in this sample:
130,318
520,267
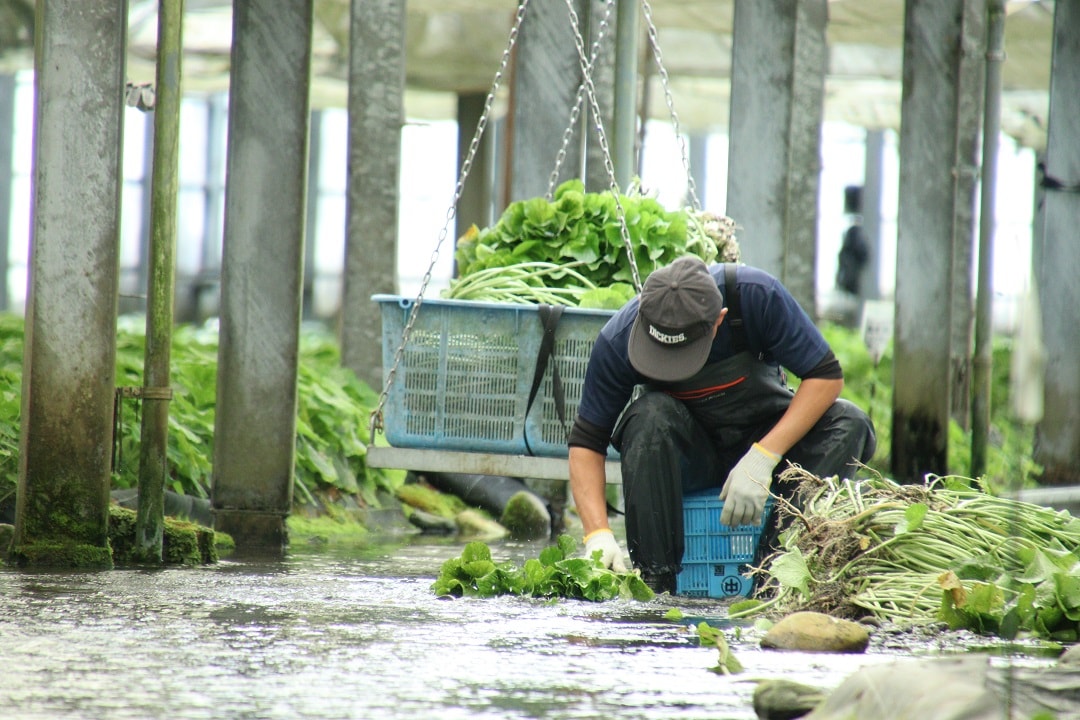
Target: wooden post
156,392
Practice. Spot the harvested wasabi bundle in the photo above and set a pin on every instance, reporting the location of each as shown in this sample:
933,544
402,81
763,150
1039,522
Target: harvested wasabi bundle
572,250
921,554
557,573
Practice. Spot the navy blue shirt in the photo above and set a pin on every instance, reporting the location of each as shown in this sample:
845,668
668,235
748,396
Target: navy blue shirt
777,329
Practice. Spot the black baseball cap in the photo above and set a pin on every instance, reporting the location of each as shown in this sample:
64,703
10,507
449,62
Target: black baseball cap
677,310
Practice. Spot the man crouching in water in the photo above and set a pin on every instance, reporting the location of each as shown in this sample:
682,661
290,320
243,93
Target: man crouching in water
715,411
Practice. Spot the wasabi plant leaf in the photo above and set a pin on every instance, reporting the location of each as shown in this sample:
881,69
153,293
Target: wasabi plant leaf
1068,593
727,663
913,518
551,555
475,551
567,545
791,571
746,605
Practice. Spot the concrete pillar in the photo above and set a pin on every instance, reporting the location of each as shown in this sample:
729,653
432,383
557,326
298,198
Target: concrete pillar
500,161
311,221
1057,437
546,75
376,116
197,287
873,182
935,230
69,361
214,218
141,281
969,94
624,126
262,270
208,281
7,172
475,205
616,110
698,155
778,68
1038,215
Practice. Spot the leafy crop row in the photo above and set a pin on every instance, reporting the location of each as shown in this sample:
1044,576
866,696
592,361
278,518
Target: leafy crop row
333,412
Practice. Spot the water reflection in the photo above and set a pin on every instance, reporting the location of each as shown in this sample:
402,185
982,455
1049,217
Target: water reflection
355,632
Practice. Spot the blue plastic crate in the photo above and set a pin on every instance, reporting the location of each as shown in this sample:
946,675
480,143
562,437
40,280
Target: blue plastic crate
465,374
716,557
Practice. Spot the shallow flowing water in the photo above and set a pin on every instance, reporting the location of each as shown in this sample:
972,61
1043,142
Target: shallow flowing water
355,632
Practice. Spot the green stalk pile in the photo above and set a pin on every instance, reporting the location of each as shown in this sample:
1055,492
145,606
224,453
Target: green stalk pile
534,281
571,250
921,554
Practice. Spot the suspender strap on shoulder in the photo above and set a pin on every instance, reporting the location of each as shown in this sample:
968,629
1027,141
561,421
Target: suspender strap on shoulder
734,317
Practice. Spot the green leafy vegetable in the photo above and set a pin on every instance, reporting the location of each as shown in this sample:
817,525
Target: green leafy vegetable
607,298
563,250
555,574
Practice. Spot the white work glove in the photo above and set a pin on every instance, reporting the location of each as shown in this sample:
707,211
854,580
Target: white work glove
747,487
610,553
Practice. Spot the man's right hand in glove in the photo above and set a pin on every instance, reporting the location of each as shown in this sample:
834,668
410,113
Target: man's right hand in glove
603,541
747,487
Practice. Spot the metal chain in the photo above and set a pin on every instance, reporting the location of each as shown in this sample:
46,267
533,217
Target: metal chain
466,166
585,88
575,111
602,137
691,187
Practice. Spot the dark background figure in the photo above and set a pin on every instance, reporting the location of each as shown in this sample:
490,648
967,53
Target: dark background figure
855,249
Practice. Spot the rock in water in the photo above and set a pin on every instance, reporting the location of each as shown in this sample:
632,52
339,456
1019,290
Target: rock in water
475,525
944,689
816,632
431,523
785,700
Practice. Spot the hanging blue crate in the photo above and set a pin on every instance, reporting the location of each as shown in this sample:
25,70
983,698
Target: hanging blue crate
465,374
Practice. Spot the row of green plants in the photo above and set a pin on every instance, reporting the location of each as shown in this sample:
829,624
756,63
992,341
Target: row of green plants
333,415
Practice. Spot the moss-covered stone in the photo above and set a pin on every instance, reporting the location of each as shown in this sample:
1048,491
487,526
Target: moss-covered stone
526,517
325,530
122,532
223,543
428,499
62,555
61,529
182,543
